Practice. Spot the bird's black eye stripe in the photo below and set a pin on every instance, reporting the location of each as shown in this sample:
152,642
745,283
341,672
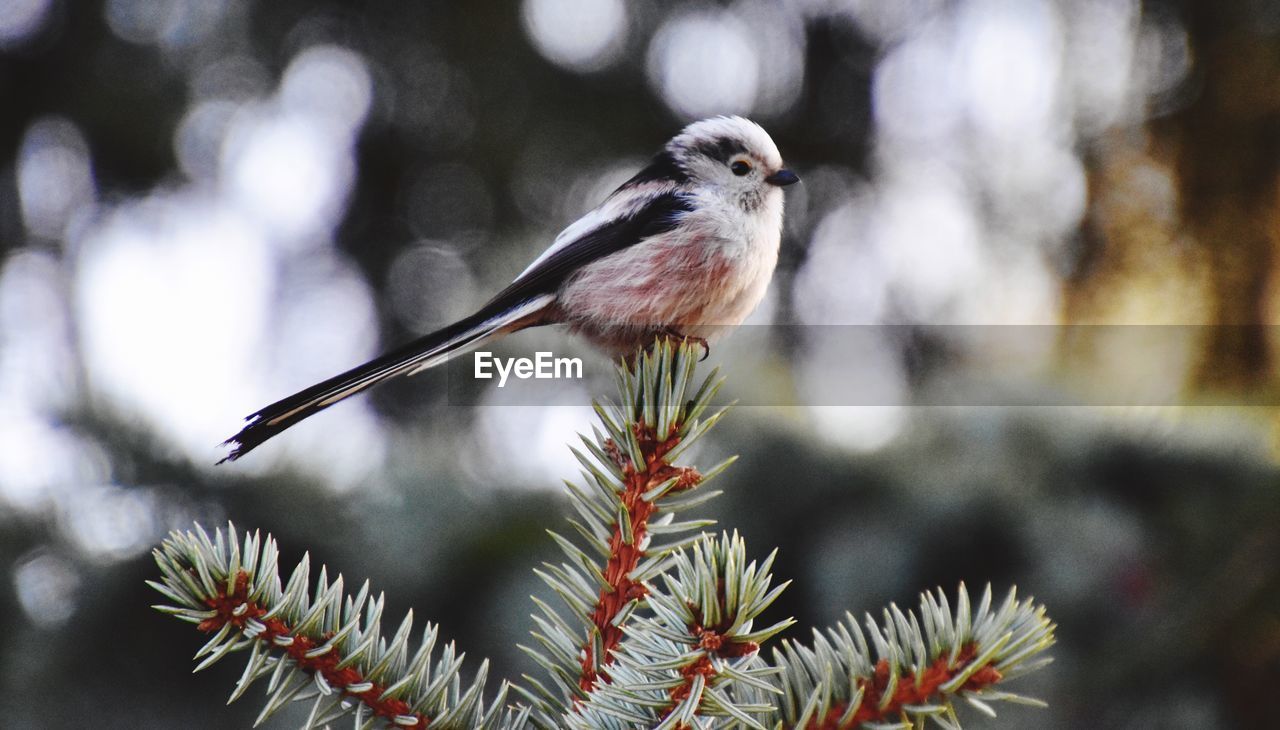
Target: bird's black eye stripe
740,167
720,149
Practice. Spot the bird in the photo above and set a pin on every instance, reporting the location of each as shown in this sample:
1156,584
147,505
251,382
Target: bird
685,248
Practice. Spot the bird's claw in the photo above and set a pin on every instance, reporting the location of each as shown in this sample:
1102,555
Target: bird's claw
706,347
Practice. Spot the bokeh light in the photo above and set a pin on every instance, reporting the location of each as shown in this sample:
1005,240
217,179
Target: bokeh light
172,24
54,176
173,293
580,35
889,22
21,19
429,285
291,165
41,461
1009,60
37,362
287,172
110,523
46,587
705,63
540,457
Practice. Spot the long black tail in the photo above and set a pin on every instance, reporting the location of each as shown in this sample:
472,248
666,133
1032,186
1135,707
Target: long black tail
422,353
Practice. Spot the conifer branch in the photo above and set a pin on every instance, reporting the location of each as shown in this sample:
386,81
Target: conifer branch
922,664
632,492
680,663
324,647
659,628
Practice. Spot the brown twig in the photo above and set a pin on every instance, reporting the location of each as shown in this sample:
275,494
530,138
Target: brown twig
909,691
620,589
237,610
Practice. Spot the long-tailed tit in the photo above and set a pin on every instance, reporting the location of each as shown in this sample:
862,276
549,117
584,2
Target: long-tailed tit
686,247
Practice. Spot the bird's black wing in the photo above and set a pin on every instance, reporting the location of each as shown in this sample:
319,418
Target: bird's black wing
660,215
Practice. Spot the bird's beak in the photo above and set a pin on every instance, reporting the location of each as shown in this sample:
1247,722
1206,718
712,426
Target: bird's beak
782,178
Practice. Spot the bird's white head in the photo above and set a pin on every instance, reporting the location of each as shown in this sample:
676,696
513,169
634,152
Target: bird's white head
733,156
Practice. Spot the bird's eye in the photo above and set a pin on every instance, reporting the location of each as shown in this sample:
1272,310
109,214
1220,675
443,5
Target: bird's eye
740,167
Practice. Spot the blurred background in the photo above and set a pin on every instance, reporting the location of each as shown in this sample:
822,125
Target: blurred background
208,204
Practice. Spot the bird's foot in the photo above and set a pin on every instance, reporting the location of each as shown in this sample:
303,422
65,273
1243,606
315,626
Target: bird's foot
616,455
674,334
